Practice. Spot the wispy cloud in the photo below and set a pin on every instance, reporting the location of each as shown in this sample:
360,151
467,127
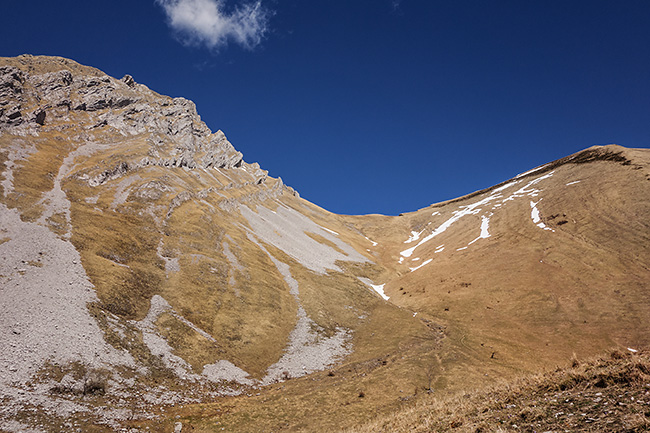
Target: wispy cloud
205,22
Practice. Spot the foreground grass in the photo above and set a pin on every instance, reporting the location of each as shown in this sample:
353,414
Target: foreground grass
608,394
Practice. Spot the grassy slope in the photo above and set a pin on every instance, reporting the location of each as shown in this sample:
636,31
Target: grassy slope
520,301
607,394
525,298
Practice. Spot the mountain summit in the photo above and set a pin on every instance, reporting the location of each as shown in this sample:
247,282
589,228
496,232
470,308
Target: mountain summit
152,279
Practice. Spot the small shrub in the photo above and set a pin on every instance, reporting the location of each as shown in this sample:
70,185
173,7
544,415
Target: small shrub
95,383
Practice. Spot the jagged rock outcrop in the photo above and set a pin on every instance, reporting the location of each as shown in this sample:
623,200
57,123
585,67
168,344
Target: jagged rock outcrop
11,87
55,99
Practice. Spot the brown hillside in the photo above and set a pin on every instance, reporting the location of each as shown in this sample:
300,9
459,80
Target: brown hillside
609,394
152,278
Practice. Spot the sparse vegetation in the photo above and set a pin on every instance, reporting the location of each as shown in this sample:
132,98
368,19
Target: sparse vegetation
79,379
606,394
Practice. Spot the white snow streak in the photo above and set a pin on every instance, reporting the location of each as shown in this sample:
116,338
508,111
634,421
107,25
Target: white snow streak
573,183
530,171
471,209
331,231
374,244
475,208
534,214
485,225
501,188
426,262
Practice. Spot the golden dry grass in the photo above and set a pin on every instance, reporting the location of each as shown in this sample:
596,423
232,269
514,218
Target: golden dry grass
606,394
521,301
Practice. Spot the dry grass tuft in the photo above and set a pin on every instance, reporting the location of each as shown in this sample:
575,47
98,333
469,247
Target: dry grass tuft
611,393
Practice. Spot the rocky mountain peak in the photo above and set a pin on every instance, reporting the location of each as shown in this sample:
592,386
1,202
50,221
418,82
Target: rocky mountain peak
40,94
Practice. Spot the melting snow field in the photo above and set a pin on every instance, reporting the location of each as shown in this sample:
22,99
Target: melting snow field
414,237
379,288
496,196
485,225
471,209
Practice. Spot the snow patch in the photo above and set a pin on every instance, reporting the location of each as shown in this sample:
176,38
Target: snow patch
471,209
573,183
374,244
530,171
414,237
379,288
534,214
485,224
426,262
476,207
501,188
527,189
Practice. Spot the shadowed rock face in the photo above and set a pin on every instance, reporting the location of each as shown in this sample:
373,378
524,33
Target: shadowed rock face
144,260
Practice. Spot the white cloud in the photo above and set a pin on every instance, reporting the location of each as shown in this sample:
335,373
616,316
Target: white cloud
206,22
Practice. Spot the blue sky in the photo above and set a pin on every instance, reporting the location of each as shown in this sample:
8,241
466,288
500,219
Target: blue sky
374,106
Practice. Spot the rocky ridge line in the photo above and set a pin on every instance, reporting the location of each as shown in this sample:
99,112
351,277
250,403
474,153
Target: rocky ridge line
32,102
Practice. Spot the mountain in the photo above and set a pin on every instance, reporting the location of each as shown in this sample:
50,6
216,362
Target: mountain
152,279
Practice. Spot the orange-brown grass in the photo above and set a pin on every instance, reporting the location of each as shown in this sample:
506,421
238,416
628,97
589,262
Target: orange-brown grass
524,299
35,175
606,394
384,373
